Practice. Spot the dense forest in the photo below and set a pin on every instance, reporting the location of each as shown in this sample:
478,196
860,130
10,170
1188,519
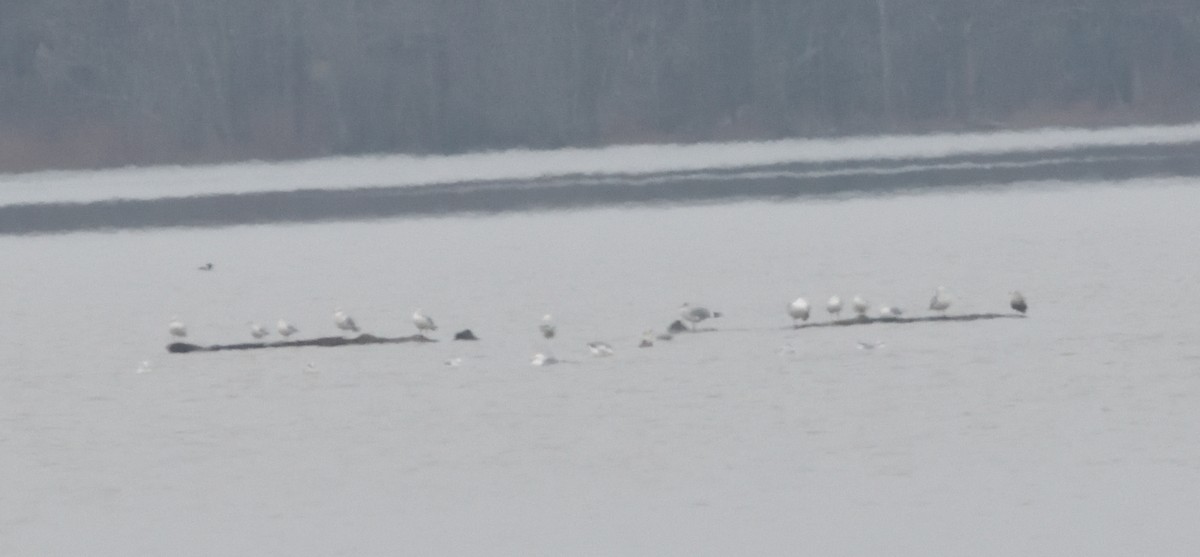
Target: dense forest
114,82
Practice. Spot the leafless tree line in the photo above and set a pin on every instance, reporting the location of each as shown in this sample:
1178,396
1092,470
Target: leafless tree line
136,81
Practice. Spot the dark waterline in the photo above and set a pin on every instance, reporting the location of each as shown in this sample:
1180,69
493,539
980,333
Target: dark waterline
572,192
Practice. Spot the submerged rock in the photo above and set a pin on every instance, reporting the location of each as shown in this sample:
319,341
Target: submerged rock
465,334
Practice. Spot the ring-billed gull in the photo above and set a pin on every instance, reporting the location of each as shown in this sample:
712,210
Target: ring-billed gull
285,329
696,314
798,309
1018,302
860,306
176,328
258,331
423,322
343,321
547,327
834,306
940,301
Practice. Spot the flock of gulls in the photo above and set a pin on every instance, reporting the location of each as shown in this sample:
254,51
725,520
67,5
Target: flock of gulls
690,317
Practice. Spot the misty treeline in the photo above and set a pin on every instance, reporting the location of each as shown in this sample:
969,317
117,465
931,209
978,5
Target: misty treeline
109,82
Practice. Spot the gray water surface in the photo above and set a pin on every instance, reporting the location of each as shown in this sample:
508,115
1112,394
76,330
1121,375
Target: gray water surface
1070,432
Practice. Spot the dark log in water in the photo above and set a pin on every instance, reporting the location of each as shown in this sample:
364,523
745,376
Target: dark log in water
184,348
862,320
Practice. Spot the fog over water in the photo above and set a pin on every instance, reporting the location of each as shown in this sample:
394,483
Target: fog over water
1071,431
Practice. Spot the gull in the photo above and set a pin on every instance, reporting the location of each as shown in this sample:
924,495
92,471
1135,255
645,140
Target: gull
343,321
860,306
600,349
834,306
547,327
647,339
696,314
541,359
144,367
890,312
177,328
423,322
285,329
798,310
940,301
1018,302
258,331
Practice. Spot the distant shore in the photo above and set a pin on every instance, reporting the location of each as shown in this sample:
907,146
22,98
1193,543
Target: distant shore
848,176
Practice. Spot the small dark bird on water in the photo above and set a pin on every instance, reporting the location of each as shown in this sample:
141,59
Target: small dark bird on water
205,267
1018,302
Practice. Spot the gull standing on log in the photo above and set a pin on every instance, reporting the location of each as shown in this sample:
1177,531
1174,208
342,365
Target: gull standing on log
547,327
343,321
696,314
423,322
860,306
176,328
258,331
834,306
798,310
285,329
940,301
1018,302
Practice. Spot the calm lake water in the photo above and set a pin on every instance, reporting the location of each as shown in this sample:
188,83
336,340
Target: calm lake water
1070,432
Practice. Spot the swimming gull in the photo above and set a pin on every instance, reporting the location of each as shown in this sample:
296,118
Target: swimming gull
860,306
423,322
343,321
798,310
600,349
834,306
940,301
1018,302
285,329
258,331
696,314
177,328
547,327
541,359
